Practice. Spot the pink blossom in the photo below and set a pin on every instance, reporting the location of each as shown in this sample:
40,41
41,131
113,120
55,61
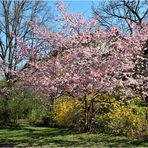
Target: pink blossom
87,59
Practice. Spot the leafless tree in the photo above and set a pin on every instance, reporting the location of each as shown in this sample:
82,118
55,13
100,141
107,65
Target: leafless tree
14,18
116,12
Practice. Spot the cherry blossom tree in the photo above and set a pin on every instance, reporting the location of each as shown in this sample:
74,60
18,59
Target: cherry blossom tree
79,47
86,59
82,59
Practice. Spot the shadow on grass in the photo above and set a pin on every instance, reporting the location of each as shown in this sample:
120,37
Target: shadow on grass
105,140
37,136
29,136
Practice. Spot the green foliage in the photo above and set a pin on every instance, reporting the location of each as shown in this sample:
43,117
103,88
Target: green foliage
41,115
24,104
3,83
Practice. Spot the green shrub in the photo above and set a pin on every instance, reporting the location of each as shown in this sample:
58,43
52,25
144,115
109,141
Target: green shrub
23,104
41,115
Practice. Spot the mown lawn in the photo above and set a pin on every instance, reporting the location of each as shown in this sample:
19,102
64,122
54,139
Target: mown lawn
28,136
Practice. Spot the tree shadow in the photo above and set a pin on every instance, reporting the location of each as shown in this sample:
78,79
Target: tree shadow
54,137
105,140
28,136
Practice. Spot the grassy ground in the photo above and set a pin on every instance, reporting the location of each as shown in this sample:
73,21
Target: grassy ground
53,137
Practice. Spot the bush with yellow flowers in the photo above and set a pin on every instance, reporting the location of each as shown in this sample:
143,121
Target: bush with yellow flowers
81,114
105,113
127,119
75,113
65,109
105,104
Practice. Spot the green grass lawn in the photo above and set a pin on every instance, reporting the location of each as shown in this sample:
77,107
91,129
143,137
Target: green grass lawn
28,136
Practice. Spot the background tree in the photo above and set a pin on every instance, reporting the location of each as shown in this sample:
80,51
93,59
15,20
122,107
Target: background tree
14,18
115,13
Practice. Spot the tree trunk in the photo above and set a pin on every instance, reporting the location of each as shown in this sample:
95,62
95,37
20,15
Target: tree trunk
92,115
86,114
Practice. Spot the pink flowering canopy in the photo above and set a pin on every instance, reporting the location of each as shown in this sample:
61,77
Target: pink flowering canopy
86,59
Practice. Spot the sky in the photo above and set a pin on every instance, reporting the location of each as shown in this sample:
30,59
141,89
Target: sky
77,6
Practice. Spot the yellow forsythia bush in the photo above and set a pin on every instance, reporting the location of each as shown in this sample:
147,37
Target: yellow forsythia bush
127,119
65,107
107,114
